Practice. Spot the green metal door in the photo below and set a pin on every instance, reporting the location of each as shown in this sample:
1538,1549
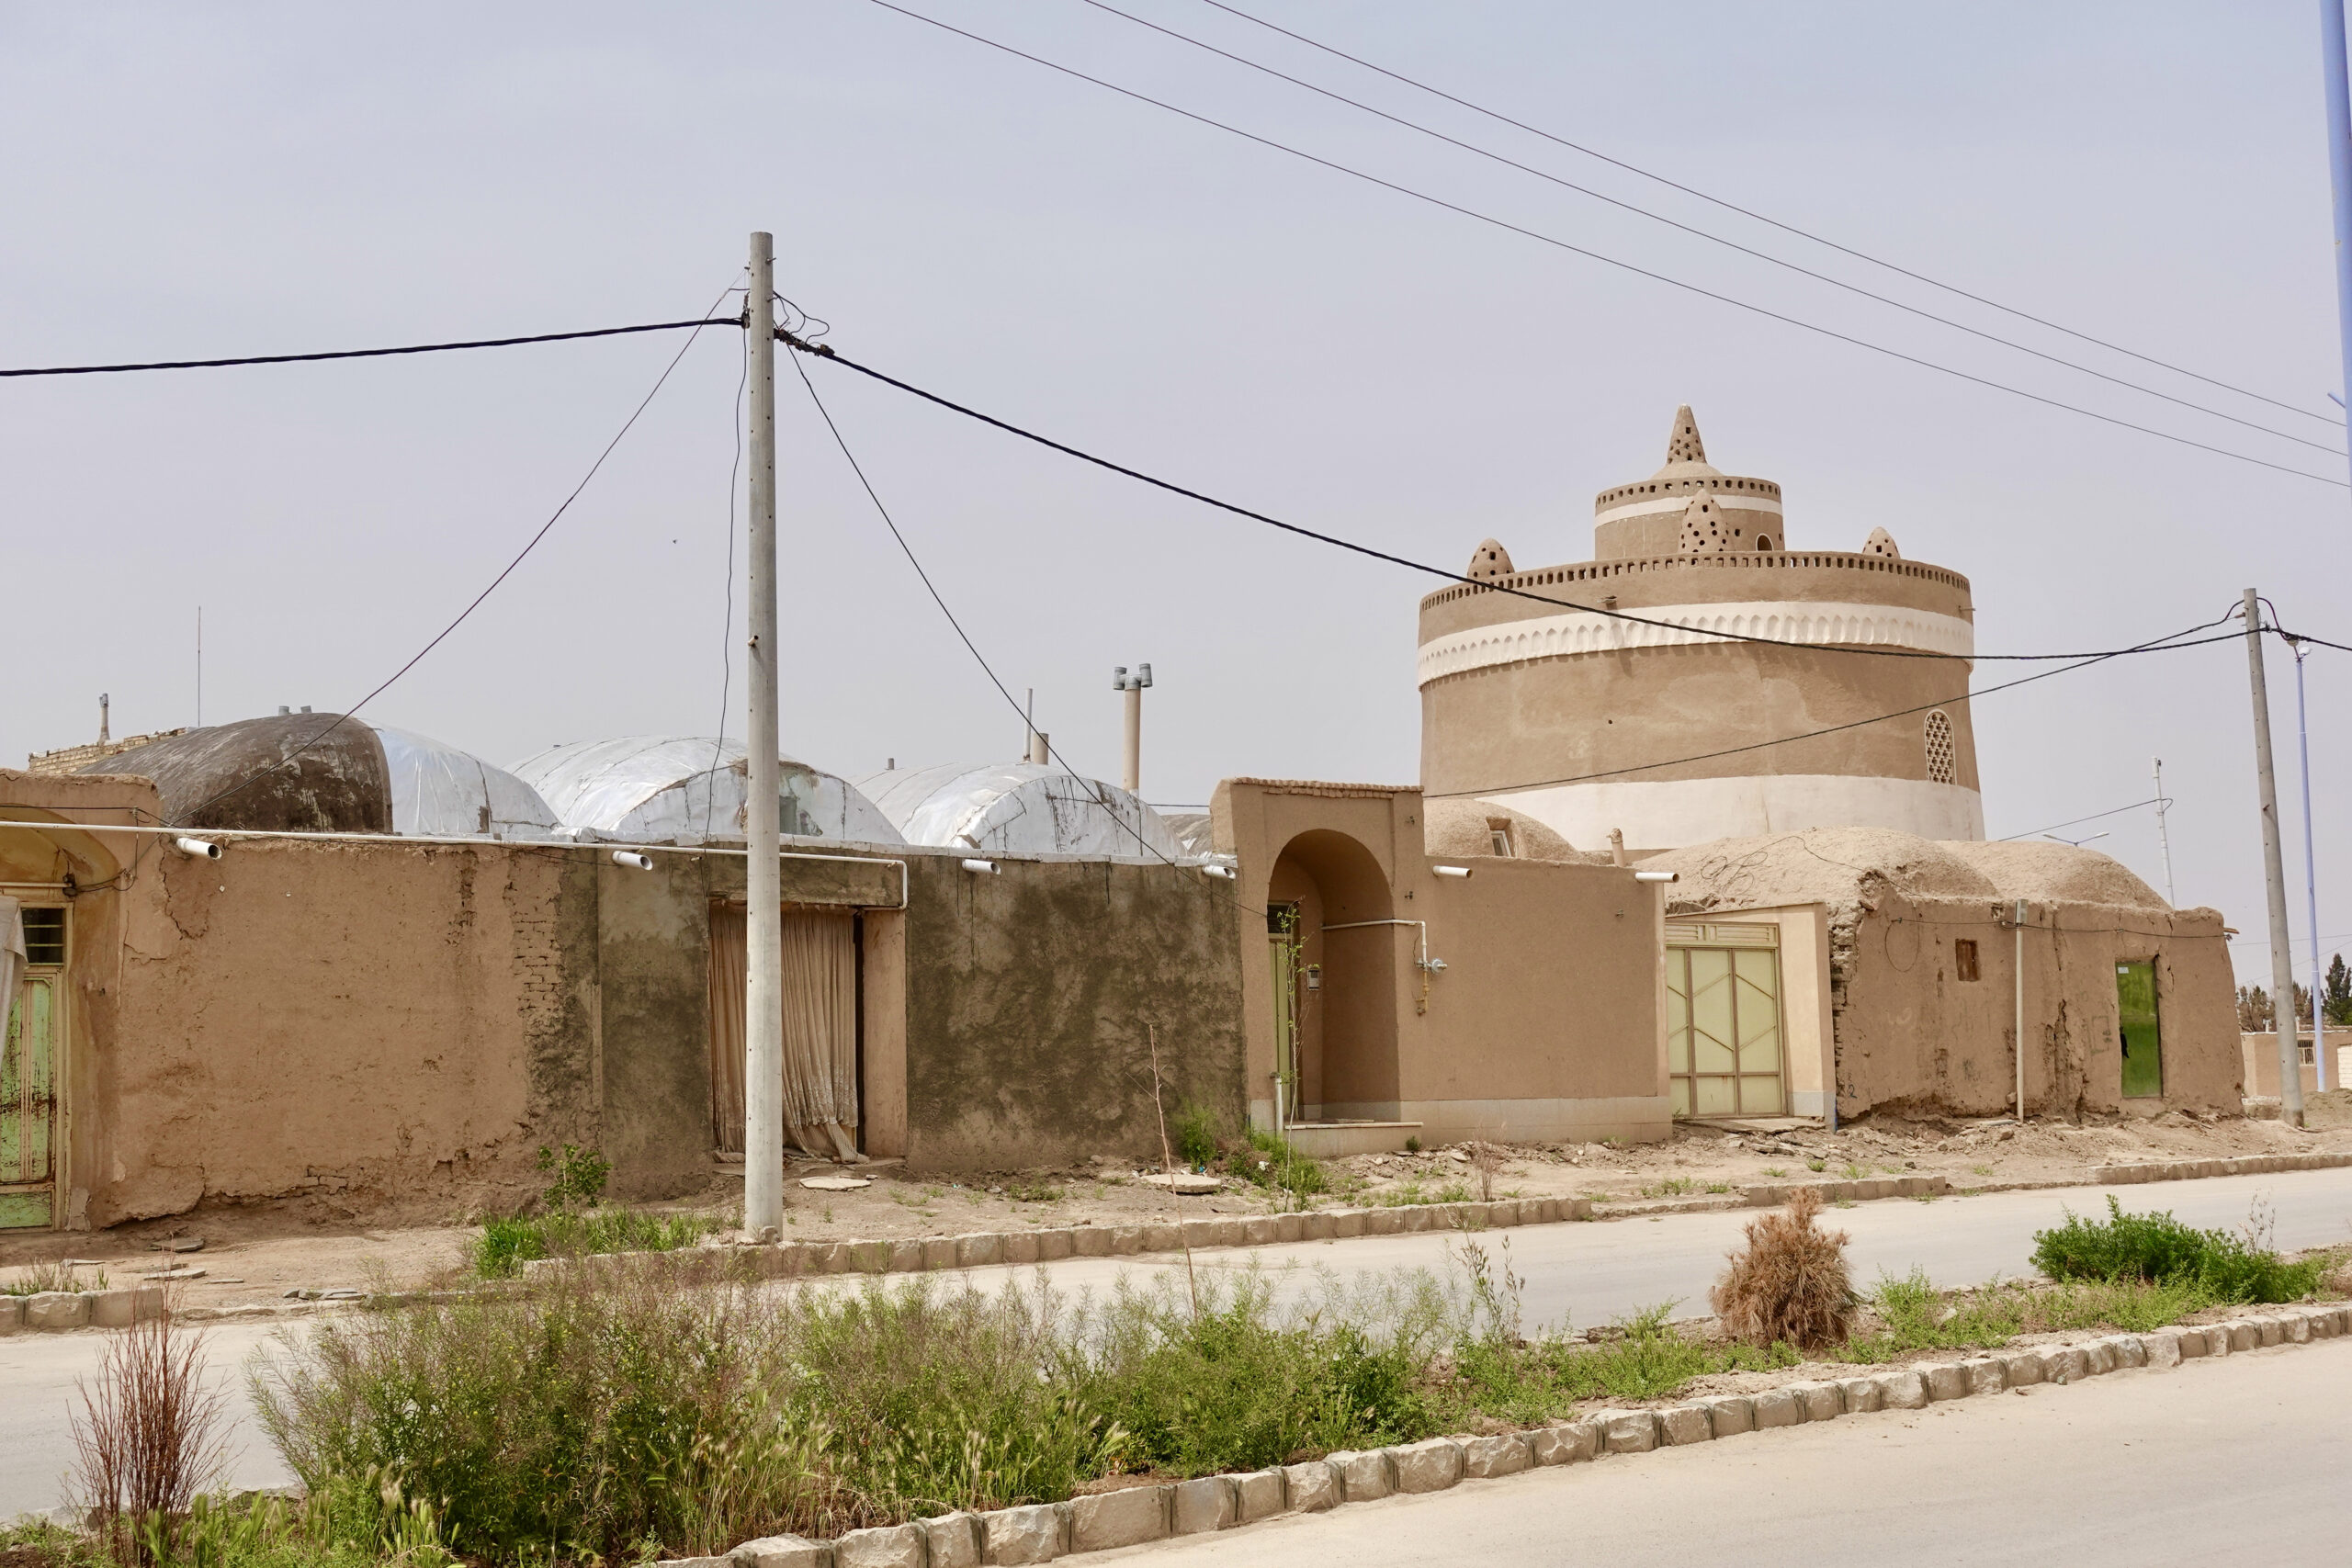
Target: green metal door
1722,1021
2135,1009
29,1105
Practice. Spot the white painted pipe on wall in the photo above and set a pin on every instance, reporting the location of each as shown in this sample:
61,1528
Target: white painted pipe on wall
980,867
197,849
1657,876
634,861
1451,870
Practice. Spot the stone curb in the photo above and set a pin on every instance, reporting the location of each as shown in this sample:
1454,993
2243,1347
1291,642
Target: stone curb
799,1260
57,1311
986,1248
1104,1521
981,1249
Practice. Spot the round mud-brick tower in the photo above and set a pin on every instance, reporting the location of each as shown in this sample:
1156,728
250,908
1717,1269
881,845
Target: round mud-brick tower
1538,695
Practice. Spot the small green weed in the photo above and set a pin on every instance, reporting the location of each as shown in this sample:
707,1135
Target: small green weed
1031,1190
577,1177
1718,1186
1776,1170
1816,1165
1412,1144
1854,1172
1197,1137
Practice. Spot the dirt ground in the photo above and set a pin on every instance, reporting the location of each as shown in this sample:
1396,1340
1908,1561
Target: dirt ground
260,1252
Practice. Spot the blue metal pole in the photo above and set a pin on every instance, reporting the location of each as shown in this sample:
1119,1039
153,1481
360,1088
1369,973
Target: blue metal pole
2311,880
2340,169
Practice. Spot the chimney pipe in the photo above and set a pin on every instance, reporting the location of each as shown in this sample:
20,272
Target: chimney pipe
103,736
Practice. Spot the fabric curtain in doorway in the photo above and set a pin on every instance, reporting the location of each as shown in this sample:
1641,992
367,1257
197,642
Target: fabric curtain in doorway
728,949
820,1030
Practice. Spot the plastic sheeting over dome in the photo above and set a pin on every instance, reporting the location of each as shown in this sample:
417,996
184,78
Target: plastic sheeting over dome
687,789
325,772
440,791
1019,809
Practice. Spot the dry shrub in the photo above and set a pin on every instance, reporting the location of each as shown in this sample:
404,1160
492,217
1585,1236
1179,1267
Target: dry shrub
1790,1285
149,1439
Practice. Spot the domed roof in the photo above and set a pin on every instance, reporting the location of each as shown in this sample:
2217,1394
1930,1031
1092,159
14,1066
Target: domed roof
688,789
1831,865
326,772
1019,809
1880,543
1456,828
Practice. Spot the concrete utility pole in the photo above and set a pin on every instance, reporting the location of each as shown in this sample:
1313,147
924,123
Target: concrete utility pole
2274,871
2339,170
763,884
2017,979
1131,777
2163,835
2310,871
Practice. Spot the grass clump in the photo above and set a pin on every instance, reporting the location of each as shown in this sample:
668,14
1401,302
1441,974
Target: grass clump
572,1224
2156,1248
1196,1139
678,1410
1789,1283
505,1245
43,1277
1913,1315
1242,1384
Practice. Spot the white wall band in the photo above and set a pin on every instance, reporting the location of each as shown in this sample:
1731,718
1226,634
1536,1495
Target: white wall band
1679,502
1587,631
1666,814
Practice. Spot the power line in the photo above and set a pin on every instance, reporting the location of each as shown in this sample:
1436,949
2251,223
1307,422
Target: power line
1640,210
1590,254
368,353
475,604
957,627
2161,644
2094,817
1760,217
828,353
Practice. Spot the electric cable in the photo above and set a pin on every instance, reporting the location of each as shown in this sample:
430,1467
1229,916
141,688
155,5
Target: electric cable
961,634
2160,645
475,604
1639,210
727,621
367,353
1761,218
1591,255
2071,821
828,353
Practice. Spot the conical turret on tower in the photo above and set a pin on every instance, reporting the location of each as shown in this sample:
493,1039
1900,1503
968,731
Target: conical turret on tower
1684,445
1647,520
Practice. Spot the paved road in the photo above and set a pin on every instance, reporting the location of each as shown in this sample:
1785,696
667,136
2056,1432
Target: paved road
1582,1274
2221,1461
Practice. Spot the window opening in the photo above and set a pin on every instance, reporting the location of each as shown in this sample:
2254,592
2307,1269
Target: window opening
44,936
1943,754
1964,958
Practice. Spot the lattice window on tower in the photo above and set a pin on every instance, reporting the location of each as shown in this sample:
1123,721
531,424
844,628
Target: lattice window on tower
1943,756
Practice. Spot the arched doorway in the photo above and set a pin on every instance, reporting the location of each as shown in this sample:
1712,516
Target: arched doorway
1332,941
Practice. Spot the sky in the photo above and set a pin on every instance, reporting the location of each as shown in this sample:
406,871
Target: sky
256,179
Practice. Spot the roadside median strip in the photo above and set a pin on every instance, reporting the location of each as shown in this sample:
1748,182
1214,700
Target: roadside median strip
1139,1515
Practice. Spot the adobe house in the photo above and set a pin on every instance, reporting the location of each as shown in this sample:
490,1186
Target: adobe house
1895,961
1508,990
373,1020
